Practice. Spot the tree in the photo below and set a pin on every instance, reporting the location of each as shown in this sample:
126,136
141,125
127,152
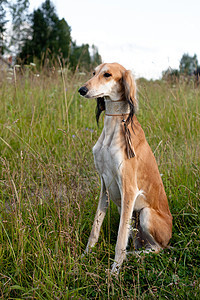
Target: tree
58,36
50,36
20,27
96,57
79,56
63,34
3,22
188,64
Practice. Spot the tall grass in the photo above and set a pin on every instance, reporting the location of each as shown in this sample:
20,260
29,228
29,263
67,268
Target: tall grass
49,192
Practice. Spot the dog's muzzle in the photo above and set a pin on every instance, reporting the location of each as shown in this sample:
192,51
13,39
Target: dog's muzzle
83,91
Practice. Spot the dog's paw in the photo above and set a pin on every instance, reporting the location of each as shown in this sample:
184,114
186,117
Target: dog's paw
115,269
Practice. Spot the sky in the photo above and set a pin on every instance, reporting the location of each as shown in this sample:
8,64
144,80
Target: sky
145,36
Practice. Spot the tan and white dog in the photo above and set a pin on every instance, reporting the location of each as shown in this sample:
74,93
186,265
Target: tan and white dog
127,167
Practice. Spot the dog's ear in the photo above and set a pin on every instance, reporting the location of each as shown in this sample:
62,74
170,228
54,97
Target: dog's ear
100,107
129,86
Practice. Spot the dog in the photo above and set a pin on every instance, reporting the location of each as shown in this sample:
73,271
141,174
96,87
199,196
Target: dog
127,167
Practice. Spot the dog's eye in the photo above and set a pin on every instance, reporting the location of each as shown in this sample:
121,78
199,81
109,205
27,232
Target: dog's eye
107,75
93,73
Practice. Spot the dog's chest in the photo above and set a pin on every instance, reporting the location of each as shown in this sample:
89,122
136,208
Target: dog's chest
107,152
108,158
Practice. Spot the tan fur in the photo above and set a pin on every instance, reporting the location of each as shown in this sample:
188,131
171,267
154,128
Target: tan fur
129,87
135,184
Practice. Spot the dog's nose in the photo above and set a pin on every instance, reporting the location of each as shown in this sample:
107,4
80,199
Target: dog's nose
83,90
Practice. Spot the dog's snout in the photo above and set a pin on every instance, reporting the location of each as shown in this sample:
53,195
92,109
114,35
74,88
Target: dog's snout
83,90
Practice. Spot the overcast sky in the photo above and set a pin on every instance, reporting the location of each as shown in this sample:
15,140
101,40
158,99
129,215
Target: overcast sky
146,36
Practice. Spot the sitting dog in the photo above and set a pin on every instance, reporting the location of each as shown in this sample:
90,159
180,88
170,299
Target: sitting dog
126,165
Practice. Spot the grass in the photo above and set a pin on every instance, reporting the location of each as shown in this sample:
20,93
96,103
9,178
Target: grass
49,192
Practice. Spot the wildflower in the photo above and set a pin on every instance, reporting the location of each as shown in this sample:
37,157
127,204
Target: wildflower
21,154
90,129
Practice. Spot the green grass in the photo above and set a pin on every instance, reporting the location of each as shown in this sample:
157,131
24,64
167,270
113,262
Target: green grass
49,192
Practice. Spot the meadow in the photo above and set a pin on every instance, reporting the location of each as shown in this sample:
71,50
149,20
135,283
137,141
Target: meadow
49,191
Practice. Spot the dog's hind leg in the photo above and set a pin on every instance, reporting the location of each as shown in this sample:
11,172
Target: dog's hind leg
99,217
156,228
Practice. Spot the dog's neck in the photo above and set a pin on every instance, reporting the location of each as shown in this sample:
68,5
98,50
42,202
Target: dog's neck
119,108
116,108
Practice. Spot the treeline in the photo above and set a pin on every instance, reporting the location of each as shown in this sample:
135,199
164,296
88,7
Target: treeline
42,37
188,67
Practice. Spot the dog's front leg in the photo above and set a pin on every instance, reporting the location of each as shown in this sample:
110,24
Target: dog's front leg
123,232
99,217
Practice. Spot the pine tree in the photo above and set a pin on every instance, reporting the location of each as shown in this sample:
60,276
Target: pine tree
80,56
96,58
50,36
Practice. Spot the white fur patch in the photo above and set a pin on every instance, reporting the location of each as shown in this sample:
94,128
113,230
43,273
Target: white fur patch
139,201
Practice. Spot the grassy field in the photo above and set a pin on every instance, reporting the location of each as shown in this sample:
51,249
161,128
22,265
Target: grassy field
49,192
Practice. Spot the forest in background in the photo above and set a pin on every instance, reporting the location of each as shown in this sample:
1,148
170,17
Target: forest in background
41,37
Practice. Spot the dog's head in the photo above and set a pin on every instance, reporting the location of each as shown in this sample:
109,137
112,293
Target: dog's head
114,82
